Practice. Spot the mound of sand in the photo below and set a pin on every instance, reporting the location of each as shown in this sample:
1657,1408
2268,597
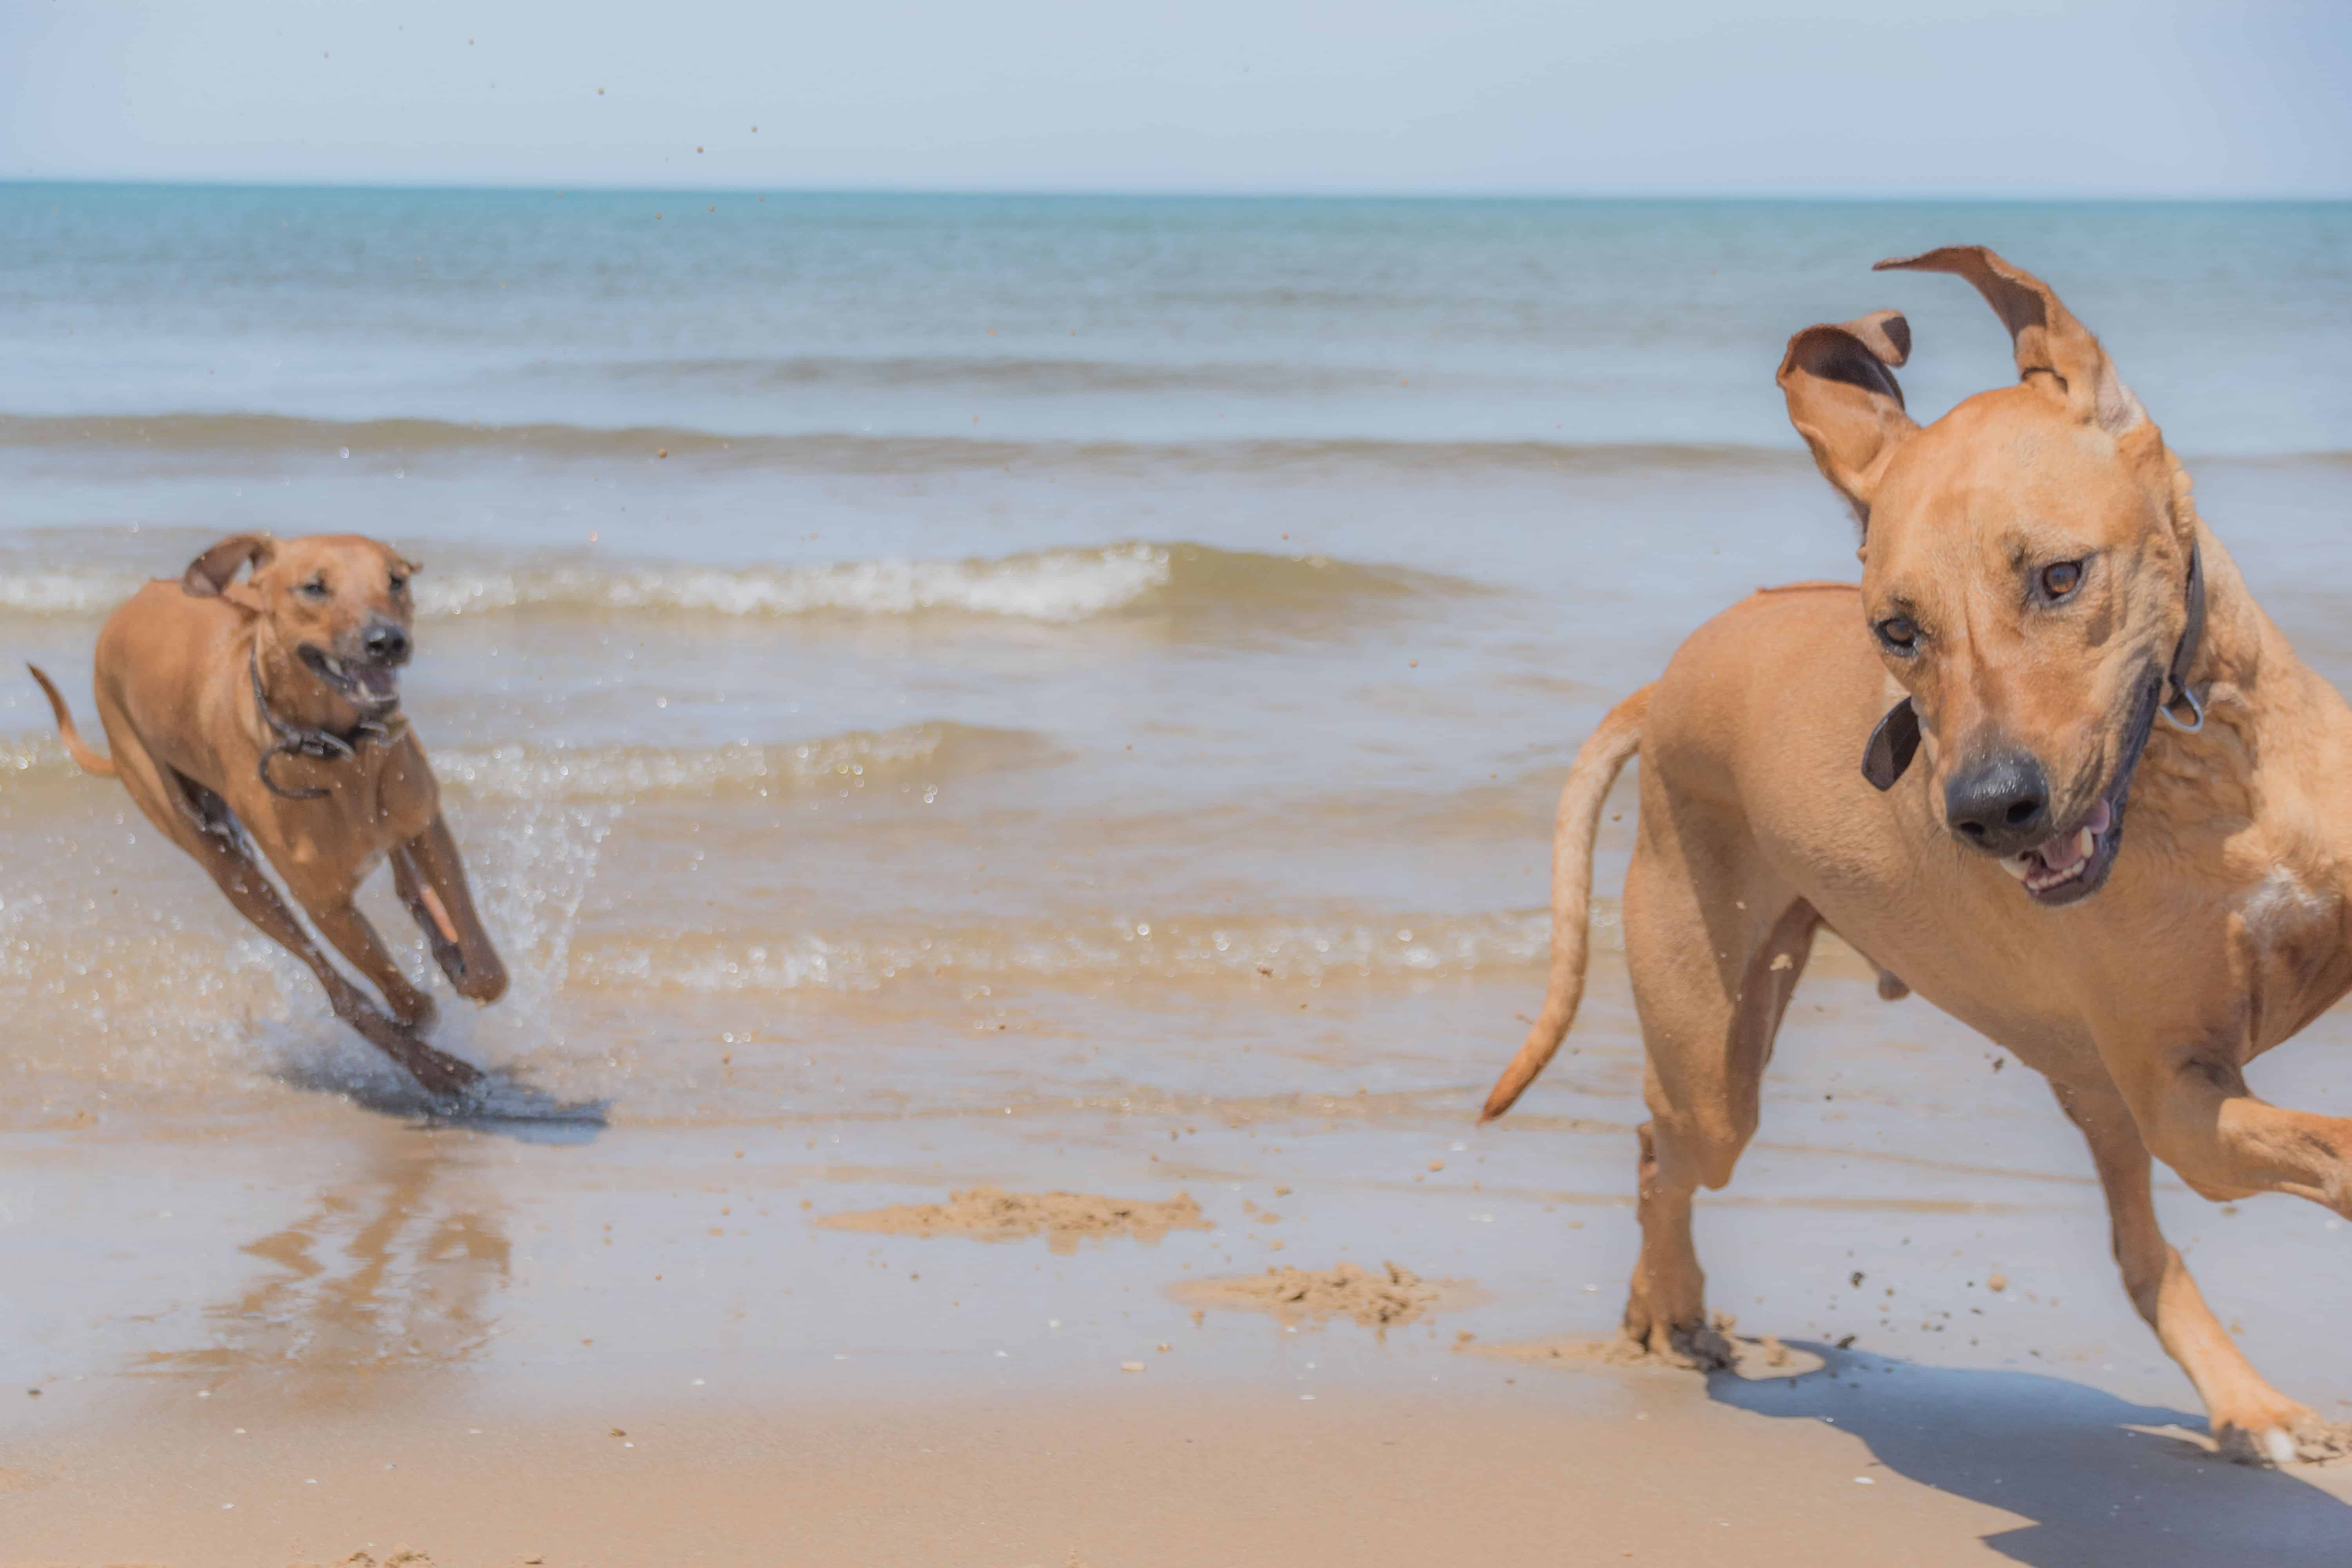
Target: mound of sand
992,1213
1376,1298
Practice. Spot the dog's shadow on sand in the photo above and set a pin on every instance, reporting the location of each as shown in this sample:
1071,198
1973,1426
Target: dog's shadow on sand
497,1103
2064,1457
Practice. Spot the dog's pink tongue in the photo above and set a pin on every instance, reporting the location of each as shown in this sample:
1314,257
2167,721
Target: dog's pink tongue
2062,852
2059,854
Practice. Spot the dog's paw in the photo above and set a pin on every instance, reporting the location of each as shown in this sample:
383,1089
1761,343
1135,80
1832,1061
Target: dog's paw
440,1073
1695,1347
2295,1437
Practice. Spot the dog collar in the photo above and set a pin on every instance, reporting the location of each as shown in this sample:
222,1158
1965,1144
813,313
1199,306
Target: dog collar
2192,636
298,740
1896,739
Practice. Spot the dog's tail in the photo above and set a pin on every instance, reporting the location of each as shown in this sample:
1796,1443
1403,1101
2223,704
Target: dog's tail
90,761
1604,756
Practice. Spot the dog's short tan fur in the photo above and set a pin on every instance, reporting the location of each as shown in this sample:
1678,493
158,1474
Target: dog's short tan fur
2220,929
175,678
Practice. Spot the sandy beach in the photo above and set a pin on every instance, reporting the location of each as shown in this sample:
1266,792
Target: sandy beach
328,1330
1008,745
1913,1469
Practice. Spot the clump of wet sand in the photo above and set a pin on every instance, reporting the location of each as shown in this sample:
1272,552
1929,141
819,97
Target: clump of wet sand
1378,1298
992,1213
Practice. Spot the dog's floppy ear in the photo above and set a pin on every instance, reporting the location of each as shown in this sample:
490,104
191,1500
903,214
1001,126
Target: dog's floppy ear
2048,340
1844,401
1892,745
211,575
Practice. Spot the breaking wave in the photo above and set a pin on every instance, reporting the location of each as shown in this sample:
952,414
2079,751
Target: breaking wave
909,754
1044,585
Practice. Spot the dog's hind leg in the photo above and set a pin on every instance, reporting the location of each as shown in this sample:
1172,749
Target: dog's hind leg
1713,959
2251,1422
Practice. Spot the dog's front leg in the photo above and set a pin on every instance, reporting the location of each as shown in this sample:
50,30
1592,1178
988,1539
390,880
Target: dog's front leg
2198,1115
431,879
2251,1422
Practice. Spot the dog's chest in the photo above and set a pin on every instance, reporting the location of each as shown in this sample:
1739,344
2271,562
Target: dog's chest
2290,940
2279,912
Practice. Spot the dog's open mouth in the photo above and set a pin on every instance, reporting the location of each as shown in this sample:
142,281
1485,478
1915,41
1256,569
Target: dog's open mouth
2069,866
372,687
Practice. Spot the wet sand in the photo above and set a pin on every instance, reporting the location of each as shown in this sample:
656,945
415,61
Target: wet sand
1915,1469
443,1327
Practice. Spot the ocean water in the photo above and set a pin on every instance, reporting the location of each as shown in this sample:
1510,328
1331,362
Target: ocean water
920,651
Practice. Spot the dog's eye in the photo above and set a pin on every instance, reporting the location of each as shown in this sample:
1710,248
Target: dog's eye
1898,633
2062,578
399,583
316,588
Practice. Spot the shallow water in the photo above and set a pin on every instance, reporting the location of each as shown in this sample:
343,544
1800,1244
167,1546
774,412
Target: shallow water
942,690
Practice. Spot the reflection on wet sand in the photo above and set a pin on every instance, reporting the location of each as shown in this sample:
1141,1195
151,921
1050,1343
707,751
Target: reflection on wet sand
401,1266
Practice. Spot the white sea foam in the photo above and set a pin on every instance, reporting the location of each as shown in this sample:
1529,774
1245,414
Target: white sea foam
1047,586
1053,585
67,593
641,773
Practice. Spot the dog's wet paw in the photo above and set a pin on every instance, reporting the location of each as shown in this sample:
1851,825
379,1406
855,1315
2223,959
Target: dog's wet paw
2300,1438
440,1074
1696,1347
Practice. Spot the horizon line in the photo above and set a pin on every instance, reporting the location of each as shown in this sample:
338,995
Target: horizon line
1204,194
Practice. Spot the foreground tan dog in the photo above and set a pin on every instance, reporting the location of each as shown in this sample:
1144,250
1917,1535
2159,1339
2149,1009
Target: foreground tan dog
2036,588
266,714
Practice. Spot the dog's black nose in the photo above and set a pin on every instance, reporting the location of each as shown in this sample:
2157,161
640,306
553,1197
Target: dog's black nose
385,643
2000,803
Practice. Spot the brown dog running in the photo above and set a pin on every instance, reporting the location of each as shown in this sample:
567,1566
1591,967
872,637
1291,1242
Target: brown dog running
266,713
2037,588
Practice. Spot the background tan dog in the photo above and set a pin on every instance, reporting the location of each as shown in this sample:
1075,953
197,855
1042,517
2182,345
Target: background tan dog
2036,588
266,713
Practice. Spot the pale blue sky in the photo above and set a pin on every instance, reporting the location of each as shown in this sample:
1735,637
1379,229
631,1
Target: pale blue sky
1826,97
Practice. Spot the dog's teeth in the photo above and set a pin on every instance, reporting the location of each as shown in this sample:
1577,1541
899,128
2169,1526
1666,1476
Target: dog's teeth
2085,841
2017,866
